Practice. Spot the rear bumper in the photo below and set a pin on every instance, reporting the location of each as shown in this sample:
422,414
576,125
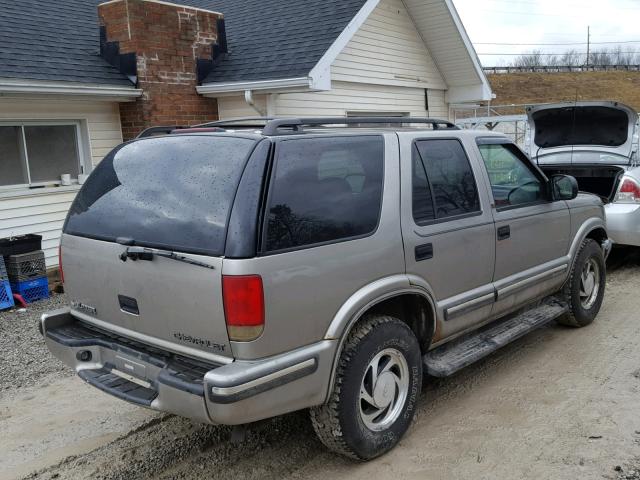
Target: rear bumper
623,223
235,393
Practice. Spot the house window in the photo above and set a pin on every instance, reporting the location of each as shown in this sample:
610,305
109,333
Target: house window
38,154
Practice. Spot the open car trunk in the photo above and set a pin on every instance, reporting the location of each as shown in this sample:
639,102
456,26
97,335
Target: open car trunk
601,180
594,142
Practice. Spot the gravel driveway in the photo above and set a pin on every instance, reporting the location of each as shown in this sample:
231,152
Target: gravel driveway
24,360
557,404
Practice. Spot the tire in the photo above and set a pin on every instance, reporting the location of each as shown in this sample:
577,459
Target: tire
584,302
348,424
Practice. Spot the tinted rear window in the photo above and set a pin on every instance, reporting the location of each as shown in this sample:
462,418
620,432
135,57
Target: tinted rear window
168,192
325,190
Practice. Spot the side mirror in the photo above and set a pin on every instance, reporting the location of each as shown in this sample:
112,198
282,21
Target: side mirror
564,187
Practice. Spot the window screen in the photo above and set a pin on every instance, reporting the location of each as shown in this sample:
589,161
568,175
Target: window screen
38,154
323,190
11,161
451,181
53,151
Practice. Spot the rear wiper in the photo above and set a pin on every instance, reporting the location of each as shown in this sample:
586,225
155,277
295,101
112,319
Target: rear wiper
147,254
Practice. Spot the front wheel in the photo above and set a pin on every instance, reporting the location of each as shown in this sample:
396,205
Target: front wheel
378,381
584,290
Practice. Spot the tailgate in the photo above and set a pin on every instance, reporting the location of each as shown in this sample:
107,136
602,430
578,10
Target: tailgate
163,302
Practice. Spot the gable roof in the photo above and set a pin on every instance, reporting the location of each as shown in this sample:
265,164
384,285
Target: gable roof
272,43
55,42
274,39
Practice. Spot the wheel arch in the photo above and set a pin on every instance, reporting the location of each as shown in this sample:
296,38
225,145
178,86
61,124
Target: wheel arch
393,296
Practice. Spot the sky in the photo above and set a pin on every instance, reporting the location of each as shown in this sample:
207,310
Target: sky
547,21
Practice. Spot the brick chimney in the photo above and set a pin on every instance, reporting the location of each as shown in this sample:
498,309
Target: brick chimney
164,48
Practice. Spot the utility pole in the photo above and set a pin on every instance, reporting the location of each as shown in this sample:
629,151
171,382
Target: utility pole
588,44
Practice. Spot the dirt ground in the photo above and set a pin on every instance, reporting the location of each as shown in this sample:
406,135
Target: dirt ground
557,404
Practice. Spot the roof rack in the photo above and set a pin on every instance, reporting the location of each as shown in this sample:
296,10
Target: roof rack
244,122
163,130
296,124
272,126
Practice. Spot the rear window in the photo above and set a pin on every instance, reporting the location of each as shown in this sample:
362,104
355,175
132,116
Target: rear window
324,190
167,192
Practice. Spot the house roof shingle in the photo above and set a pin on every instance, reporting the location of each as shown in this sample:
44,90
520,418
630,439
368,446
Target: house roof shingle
268,39
54,41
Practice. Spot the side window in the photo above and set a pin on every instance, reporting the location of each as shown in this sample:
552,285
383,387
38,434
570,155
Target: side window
449,179
513,182
422,199
323,190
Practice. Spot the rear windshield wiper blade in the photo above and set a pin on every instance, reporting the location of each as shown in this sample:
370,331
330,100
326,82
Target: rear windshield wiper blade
143,253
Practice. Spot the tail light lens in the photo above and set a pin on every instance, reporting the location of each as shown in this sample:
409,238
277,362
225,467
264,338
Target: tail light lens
243,298
60,263
629,191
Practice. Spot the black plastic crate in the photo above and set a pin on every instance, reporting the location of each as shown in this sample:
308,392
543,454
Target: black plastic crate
26,266
21,244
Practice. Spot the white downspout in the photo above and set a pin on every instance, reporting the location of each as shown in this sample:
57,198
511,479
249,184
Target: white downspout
248,97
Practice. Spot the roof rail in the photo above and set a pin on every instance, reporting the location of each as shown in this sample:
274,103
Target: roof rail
296,124
164,130
245,122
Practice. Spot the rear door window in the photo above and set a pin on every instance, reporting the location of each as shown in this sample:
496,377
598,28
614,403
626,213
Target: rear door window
171,192
324,190
449,181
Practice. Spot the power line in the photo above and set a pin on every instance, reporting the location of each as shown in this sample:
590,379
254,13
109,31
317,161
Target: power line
551,54
553,44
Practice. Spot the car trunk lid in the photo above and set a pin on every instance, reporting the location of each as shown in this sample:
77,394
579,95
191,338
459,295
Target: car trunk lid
583,133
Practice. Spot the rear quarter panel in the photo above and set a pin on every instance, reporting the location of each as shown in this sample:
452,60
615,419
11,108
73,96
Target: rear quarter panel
305,289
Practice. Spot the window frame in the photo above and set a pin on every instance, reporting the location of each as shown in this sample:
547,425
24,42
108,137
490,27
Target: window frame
462,216
537,172
267,196
82,149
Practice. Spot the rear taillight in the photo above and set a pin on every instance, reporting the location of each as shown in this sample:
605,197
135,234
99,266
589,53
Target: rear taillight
243,298
60,263
629,191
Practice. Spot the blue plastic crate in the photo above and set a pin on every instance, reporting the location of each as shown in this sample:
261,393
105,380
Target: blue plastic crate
6,296
32,290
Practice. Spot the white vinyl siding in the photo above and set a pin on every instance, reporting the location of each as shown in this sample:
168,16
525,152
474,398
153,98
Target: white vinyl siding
357,97
237,107
42,211
438,107
439,31
388,50
343,98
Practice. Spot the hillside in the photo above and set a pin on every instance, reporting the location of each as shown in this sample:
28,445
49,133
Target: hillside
531,88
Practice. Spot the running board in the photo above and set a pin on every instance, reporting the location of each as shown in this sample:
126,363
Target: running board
457,354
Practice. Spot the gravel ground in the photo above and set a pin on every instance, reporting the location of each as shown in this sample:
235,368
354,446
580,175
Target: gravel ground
24,358
559,403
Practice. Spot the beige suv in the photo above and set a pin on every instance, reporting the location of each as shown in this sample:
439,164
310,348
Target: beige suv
238,271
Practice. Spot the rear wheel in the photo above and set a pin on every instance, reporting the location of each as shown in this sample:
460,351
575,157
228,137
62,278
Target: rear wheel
584,291
378,381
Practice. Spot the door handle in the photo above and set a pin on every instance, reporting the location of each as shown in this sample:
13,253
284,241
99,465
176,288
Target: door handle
504,232
424,252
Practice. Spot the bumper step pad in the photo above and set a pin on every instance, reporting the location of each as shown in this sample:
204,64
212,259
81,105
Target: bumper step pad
177,371
457,354
119,387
